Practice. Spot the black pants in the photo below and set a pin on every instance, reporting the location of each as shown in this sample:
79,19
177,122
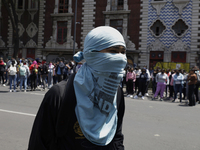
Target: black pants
191,97
33,81
147,86
130,87
2,76
142,88
171,89
196,92
136,84
184,90
154,85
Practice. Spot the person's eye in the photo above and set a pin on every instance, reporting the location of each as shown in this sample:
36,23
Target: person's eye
113,51
123,52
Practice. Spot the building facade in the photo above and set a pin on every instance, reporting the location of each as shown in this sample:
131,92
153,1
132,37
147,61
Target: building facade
46,27
169,32
154,30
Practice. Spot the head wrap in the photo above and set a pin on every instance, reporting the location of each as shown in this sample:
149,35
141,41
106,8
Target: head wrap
35,62
96,84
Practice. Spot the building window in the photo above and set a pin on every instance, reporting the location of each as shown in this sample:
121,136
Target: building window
178,57
20,4
117,24
33,4
120,5
62,32
63,6
117,4
157,28
180,27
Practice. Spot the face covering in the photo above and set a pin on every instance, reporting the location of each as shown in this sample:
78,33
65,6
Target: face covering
96,85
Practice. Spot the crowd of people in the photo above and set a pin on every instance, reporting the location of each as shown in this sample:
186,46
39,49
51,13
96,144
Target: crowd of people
33,74
164,83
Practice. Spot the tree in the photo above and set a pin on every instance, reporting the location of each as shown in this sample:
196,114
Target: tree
10,7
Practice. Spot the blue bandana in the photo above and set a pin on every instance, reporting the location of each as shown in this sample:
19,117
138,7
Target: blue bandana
96,85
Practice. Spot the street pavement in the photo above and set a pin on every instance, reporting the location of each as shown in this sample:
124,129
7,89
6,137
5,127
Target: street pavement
148,125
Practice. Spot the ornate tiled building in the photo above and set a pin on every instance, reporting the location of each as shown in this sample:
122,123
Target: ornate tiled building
169,32
46,27
154,30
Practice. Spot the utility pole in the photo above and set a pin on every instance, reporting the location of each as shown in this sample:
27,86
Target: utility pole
75,27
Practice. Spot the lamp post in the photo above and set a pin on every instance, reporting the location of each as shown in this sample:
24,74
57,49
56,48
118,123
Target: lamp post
75,27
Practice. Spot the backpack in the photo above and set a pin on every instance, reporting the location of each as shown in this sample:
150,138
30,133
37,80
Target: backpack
22,71
65,71
44,67
12,70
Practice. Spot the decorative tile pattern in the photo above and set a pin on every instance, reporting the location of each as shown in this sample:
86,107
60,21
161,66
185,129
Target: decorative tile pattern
169,14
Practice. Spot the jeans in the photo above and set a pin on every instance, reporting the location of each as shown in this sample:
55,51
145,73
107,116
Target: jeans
23,79
178,88
43,80
50,79
160,88
12,78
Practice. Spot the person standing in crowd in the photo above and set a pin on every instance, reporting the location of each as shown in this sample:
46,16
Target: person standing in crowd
34,71
197,83
50,74
6,71
161,80
184,83
130,79
2,71
192,80
148,80
66,70
55,80
59,70
79,65
12,70
137,72
142,83
86,112
23,72
178,84
167,84
154,84
171,86
44,73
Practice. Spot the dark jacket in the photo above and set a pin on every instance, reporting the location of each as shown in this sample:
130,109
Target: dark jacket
62,66
43,69
2,66
55,126
143,77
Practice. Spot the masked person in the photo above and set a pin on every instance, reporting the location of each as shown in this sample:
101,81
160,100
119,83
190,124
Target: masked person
86,112
178,84
142,83
192,80
161,80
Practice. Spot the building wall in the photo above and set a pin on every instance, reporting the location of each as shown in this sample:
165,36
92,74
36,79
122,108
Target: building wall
168,42
134,21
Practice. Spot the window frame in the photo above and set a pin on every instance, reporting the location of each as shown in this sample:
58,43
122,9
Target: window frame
115,26
63,30
64,10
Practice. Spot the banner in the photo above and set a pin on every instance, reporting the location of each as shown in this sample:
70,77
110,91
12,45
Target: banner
170,65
